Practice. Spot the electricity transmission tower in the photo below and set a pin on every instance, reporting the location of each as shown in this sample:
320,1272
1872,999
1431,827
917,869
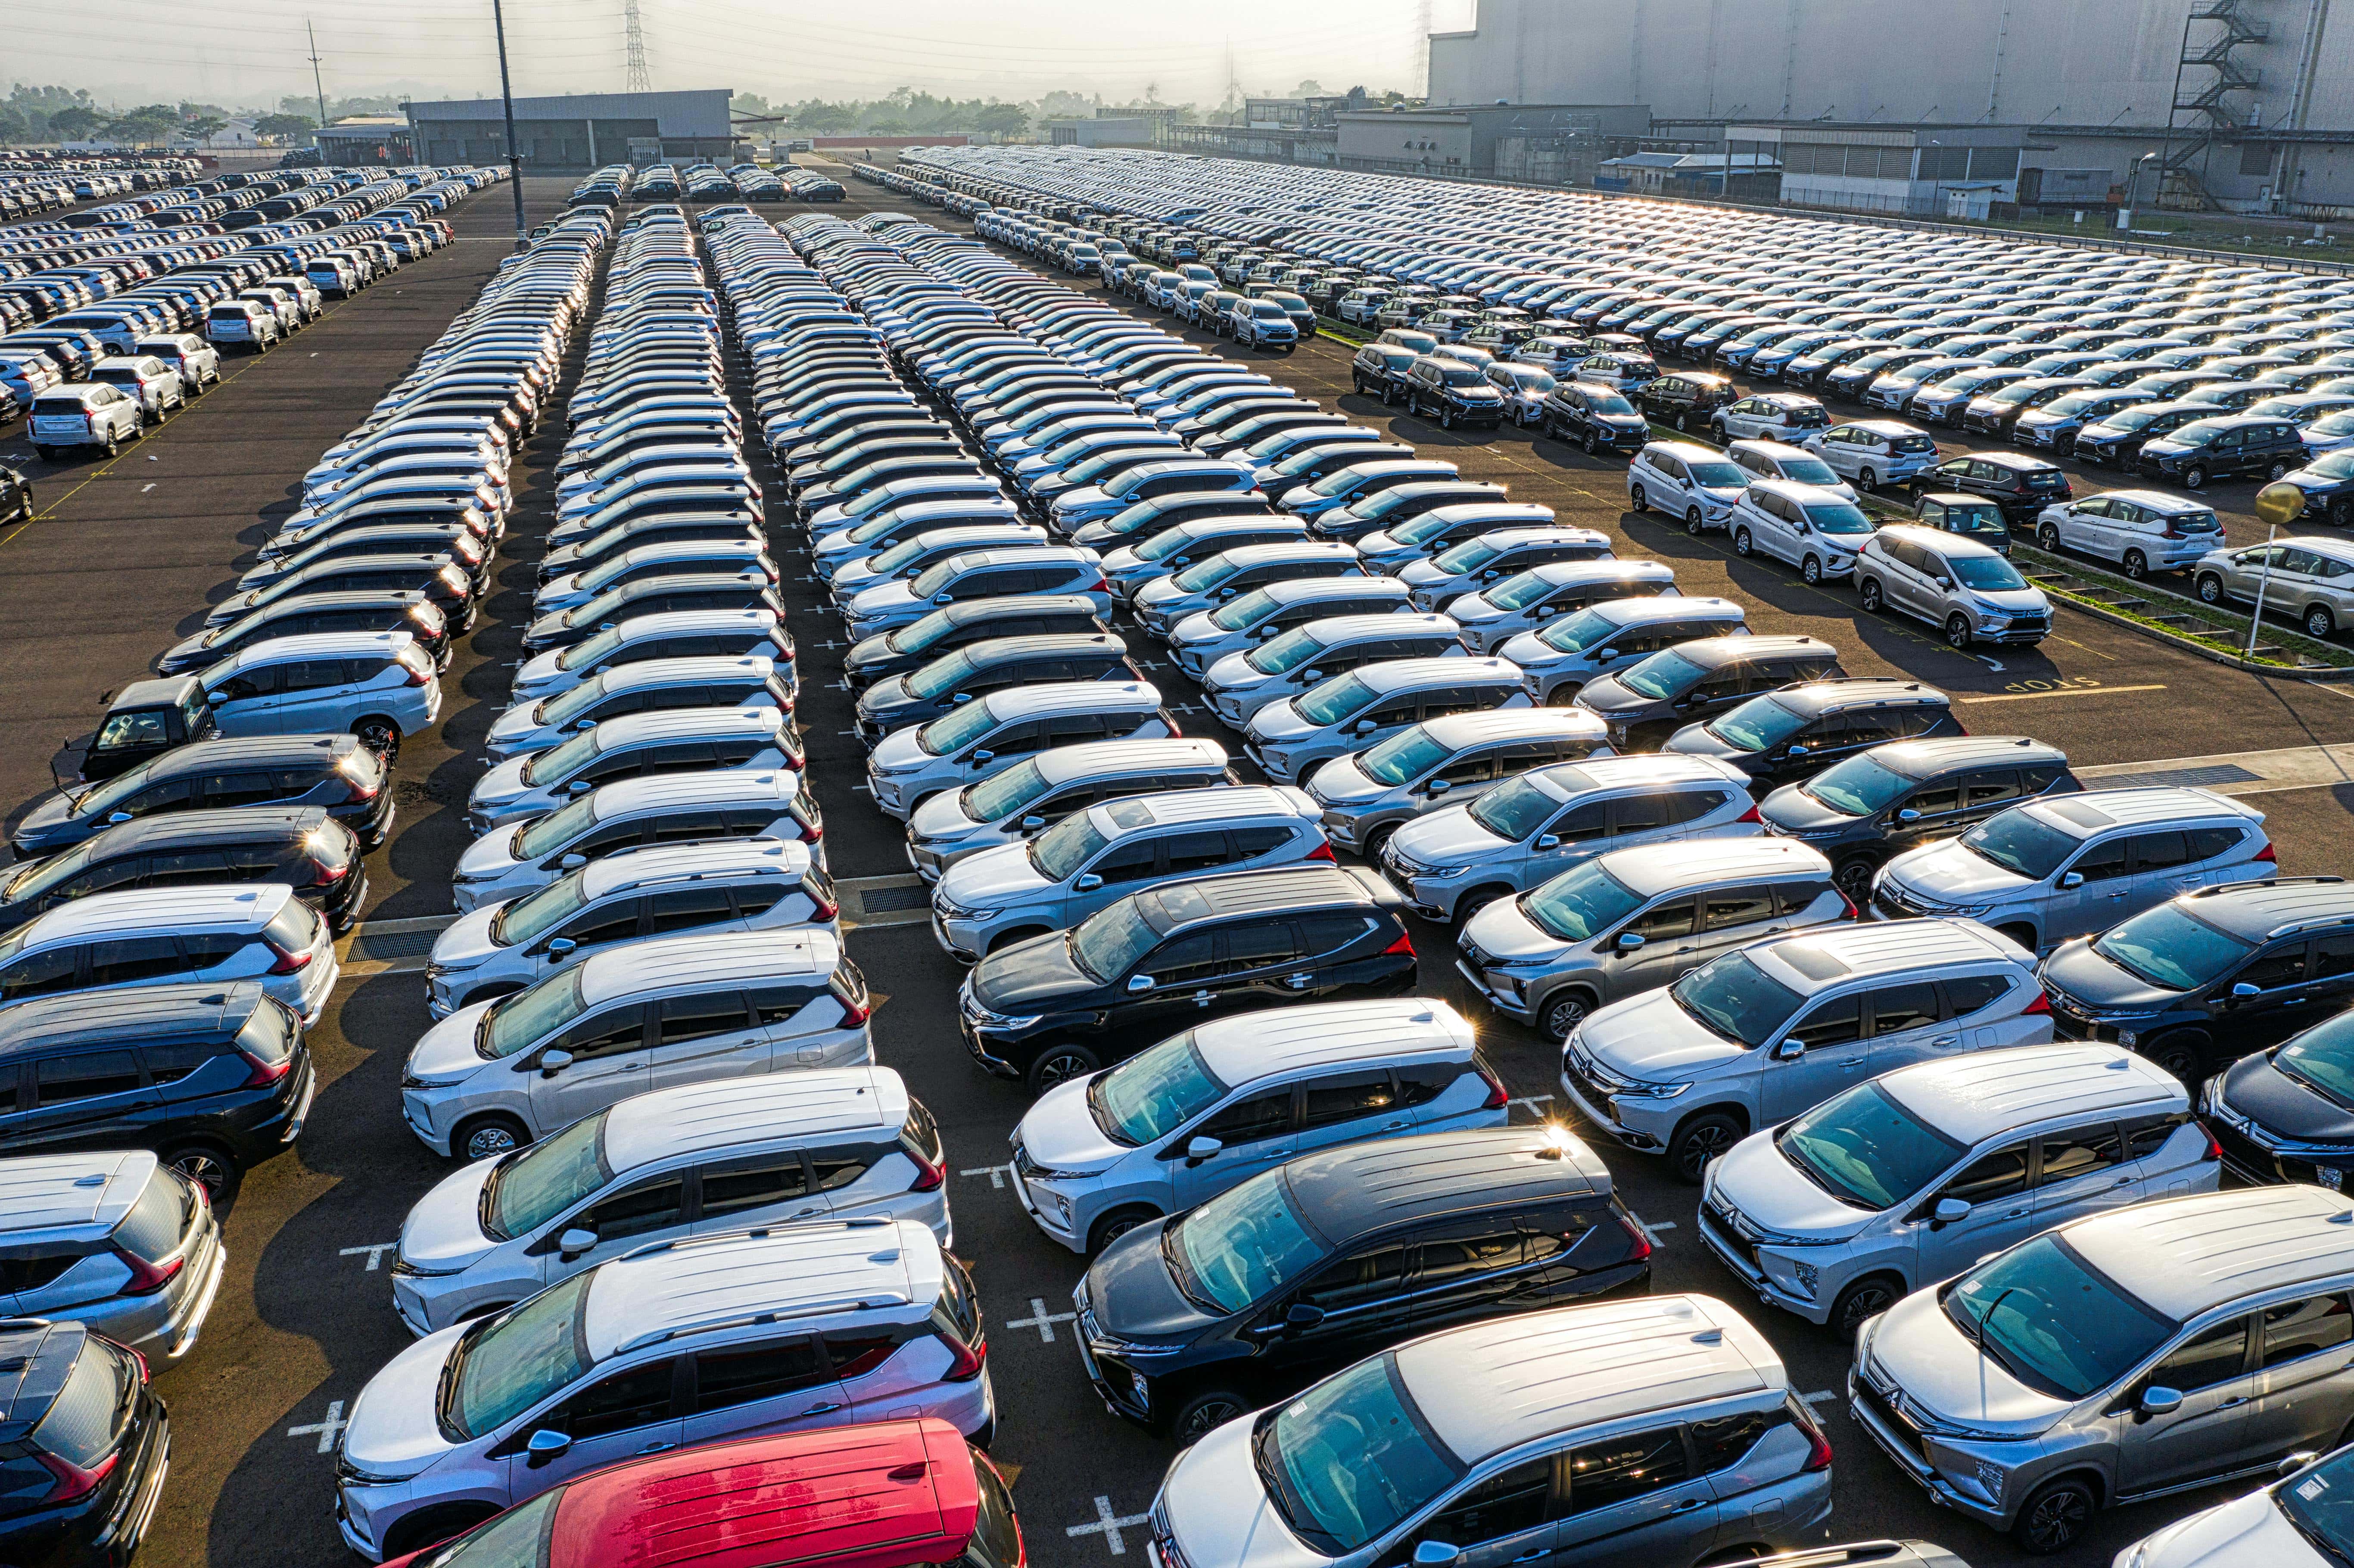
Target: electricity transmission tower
634,32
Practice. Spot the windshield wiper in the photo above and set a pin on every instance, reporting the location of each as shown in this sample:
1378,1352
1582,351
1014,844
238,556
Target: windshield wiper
2313,1537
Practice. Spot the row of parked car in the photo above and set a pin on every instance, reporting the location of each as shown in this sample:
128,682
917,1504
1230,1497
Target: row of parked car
34,182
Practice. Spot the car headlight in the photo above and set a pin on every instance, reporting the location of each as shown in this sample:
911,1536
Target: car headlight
1645,1090
949,911
444,1081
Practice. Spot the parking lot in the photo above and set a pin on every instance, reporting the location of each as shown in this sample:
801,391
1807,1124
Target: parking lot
127,551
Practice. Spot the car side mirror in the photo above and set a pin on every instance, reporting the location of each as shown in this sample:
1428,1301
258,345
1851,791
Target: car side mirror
1088,883
943,598
1139,984
2244,989
546,1446
562,947
2072,879
1908,815
1629,941
1201,1148
1310,675
1032,824
1950,1210
578,787
2159,1402
1946,583
1437,787
118,817
586,724
1799,748
2295,1462
984,755
1550,840
575,1242
1436,1554
1790,1050
215,697
554,1061
572,862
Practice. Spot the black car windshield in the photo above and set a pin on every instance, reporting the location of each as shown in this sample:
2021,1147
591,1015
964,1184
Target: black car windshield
497,1371
1460,375
535,1184
1286,654
2322,1058
1350,1458
2166,947
2051,1321
1516,810
1581,905
1608,404
1865,1149
1988,574
922,634
2021,844
1001,795
1663,674
2320,1502
1403,757
1154,1095
1759,725
1242,1246
2198,433
1733,998
2129,419
1860,785
1249,610
1111,940
32,881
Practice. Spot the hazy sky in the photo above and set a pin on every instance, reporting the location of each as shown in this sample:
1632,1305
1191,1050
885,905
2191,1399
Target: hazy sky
248,51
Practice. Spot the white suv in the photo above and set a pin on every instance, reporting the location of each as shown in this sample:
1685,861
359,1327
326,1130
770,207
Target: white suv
1812,529
85,414
1874,452
1685,480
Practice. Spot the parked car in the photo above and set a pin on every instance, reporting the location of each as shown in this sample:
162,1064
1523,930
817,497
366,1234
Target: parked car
2308,578
2022,486
97,1437
302,847
1649,700
1495,615
992,732
1595,417
1800,729
1812,529
1873,452
1199,642
1366,795
1772,459
1363,706
2226,447
146,381
116,1240
160,935
1023,801
378,685
957,626
1778,417
654,685
83,414
2141,530
1685,480
1965,588
2119,437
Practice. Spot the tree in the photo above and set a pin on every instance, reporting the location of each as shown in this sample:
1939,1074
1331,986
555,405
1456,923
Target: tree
888,127
1003,120
203,127
279,127
822,118
1310,88
75,125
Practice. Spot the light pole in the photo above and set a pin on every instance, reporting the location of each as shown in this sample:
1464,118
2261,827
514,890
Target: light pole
2133,189
507,98
1937,162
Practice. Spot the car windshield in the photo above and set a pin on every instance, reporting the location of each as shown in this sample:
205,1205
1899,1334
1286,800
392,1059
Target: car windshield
1460,375
1209,574
996,799
1860,785
1581,905
932,579
2319,1503
535,1183
1576,633
2021,844
942,675
2197,433
1731,997
2128,419
950,733
545,835
517,1359
526,919
1609,403
1059,851
1109,941
2168,947
1719,475
517,1023
1663,674
32,881
2338,464
1988,574
1838,518
1521,591
2051,1321
1516,809
888,562
1241,1246
1154,1095
1335,700
1284,653
1865,1149
515,1539
1249,610
1403,757
1757,725
559,712
2322,1058
564,760
1351,1458
589,654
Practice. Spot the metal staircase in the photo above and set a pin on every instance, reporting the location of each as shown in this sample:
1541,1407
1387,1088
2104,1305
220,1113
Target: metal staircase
2206,77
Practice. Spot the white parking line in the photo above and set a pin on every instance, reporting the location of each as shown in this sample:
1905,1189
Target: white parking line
375,1253
2062,692
326,1430
1107,1524
1041,1320
1534,1103
996,1174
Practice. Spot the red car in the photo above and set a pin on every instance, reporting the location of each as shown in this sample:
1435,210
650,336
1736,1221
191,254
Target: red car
895,1494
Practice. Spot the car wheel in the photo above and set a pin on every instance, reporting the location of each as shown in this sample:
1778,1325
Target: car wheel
2211,588
1447,417
1592,446
2047,537
1059,1065
1695,521
1853,877
1867,482
2194,477
486,1137
1812,570
1741,544
1378,840
1638,498
2319,621
1564,695
1957,631
1118,1223
113,443
1565,1012
2054,1518
1865,1298
1869,597
208,1167
380,735
1478,898
2137,564
1700,1140
2276,471
47,454
2341,513
1205,1413
2179,1057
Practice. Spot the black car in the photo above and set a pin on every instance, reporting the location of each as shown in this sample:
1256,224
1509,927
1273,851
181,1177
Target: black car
2119,438
2211,976
1380,369
2021,485
1594,416
2286,1113
16,493
1685,398
1868,809
336,772
2229,447
945,629
979,668
1061,1005
651,595
1395,507
1191,1321
1795,733
2328,485
1452,393
214,1078
88,1440
441,578
1998,410
146,719
300,847
399,609
1973,518
1646,701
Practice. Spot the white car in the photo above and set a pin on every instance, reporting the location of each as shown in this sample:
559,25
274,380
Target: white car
83,414
1874,452
1686,480
1290,739
1812,529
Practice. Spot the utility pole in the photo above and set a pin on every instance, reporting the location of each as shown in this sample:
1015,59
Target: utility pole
506,97
317,85
634,36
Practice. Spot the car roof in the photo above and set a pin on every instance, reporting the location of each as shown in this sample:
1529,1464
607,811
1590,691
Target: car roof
1070,696
54,1192
1026,605
1690,451
2257,911
686,670
736,1279
1459,730
147,910
1631,769
2081,816
1293,590
1571,574
1490,1387
1654,869
238,825
731,1113
1400,674
1822,955
1710,652
664,623
1361,1187
716,957
716,860
625,796
2157,500
1668,607
1310,886
2183,1256
1105,758
1945,544
1986,1092
1230,802
1840,693
1925,759
310,644
1270,1043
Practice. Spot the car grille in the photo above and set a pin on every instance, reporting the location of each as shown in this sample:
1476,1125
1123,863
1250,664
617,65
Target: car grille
1402,864
1905,1432
1890,904
1718,1220
1583,1078
2252,1159
2029,623
1029,1169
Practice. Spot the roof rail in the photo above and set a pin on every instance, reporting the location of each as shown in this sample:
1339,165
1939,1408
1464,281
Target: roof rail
752,1319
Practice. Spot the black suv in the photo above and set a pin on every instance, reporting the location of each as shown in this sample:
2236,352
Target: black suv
2226,447
2021,485
399,610
979,668
1452,393
1866,810
214,1078
1646,702
1971,516
2213,975
146,719
87,1440
944,631
1685,398
302,847
2119,439
1588,415
333,771
1193,1321
1060,1006
1799,731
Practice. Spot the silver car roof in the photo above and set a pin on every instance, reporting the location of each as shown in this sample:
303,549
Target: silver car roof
739,1280
710,958
1653,869
2186,1256
1257,1045
1988,1093
1807,961
735,1112
2083,816
53,1192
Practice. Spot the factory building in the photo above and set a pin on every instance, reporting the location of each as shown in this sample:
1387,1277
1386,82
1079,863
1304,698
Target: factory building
580,132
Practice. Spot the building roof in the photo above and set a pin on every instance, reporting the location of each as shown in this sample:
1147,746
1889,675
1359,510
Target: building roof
695,113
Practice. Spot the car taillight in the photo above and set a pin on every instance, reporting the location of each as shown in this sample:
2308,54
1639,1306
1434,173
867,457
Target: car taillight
1639,1238
289,963
2214,1150
1321,851
147,1278
267,1072
930,1174
1401,949
1750,815
1499,1097
2266,855
73,1481
1818,1447
970,1359
2040,1008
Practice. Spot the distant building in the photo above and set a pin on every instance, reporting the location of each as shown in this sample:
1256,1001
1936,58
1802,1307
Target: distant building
1755,176
361,139
236,134
580,132
1553,144
1904,172
1102,130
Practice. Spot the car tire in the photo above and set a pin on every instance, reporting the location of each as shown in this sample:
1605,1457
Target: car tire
2178,1054
1059,1064
1593,447
210,1166
2319,622
1637,498
2276,471
1811,569
1699,1141
1118,1223
381,736
1852,876
1564,695
1957,632
1478,898
2047,538
1693,522
2194,477
2055,1517
47,454
1563,1012
113,443
1867,480
2137,564
1741,544
1868,594
1204,1414
2209,588
1867,1298
1376,842
487,1136
1447,417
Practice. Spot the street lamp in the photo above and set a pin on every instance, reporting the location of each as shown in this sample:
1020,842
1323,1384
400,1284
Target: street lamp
1937,162
2133,188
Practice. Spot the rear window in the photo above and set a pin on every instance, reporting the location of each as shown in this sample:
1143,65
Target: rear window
270,1035
86,1420
293,928
152,1230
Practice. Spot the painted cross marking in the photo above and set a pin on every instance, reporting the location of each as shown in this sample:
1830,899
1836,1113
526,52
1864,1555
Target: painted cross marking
1536,1104
375,1251
324,1430
996,1174
1041,1320
1109,1525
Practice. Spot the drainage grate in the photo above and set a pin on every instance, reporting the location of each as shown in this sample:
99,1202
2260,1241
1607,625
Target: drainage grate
383,947
2187,778
884,900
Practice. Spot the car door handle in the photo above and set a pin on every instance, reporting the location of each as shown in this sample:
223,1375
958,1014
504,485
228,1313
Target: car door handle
1201,997
2241,1399
826,1409
2015,1213
2125,1180
1394,1126
1296,981
1946,1040
656,1448
1540,1553
1689,1504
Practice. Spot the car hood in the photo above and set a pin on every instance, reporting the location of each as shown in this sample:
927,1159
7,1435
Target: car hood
1060,1133
1940,1369
1232,672
1030,976
1948,874
1341,780
448,1047
1423,572
51,814
1134,1296
1197,628
1607,695
1083,498
1277,721
1792,808
1775,1195
1219,1510
889,704
541,677
392,1430
491,855
990,877
883,599
444,1230
900,752
1693,740
2249,1531
1501,931
2094,980
504,782
1447,837
2258,1090
1648,1036
465,942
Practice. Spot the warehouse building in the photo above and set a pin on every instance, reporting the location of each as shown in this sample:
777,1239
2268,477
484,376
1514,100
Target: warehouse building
2248,104
580,132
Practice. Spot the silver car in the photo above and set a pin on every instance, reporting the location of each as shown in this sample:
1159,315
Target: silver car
2143,531
2124,1355
1291,740
1032,796
1959,585
115,1239
1444,761
1615,635
1240,685
2307,578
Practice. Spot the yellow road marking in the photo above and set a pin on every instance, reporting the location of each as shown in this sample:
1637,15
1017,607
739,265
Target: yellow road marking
2064,691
